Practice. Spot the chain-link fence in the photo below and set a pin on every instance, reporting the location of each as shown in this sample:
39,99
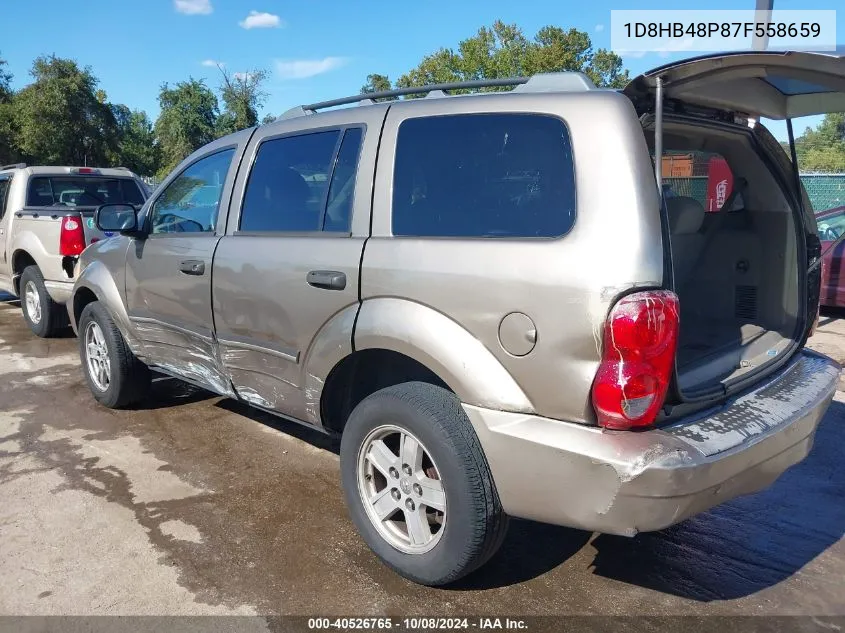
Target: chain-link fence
826,191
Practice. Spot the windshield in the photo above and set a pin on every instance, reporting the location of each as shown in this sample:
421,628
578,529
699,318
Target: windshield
81,191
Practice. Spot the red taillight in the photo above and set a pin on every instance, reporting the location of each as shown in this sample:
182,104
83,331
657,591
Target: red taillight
640,337
72,236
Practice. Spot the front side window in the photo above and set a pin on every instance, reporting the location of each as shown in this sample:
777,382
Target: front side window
190,203
287,186
483,175
81,191
831,224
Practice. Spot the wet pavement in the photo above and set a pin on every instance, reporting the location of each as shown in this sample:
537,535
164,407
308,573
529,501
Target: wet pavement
200,505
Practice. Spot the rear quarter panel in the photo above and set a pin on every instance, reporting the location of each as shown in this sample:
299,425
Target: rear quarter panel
39,238
564,285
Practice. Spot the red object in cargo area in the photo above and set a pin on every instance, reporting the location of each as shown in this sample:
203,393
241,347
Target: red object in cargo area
640,338
72,236
720,182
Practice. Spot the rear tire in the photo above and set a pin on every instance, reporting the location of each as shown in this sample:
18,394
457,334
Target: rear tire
453,473
114,374
44,316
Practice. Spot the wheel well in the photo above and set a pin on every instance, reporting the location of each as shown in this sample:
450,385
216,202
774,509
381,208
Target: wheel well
20,261
363,373
82,298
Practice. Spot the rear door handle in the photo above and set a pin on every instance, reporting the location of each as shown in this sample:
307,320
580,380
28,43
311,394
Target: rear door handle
327,279
192,267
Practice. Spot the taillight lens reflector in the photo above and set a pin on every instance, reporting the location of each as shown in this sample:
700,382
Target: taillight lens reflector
640,339
72,236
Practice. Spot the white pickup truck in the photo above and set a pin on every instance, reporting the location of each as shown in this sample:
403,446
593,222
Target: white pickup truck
46,221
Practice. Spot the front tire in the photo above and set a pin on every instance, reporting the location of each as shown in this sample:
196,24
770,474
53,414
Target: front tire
44,316
418,486
114,374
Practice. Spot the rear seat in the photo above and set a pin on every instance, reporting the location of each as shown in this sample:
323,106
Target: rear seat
685,218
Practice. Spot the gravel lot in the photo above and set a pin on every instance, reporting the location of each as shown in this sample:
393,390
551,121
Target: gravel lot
200,505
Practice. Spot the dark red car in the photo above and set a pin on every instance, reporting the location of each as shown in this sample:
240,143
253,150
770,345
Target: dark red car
831,223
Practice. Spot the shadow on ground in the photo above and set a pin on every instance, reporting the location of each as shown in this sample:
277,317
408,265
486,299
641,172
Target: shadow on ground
748,544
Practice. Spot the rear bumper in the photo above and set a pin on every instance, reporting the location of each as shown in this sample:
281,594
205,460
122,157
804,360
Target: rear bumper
59,291
628,482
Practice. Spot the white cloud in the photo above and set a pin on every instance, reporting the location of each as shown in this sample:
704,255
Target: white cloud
261,20
211,63
193,7
303,68
599,28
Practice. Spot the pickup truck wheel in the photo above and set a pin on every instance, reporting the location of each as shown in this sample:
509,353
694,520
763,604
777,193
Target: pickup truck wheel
417,484
44,316
114,374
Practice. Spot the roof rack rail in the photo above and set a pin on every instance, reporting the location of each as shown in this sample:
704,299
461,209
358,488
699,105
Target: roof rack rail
15,166
543,82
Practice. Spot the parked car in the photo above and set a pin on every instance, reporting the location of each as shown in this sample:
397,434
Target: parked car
485,298
831,223
46,220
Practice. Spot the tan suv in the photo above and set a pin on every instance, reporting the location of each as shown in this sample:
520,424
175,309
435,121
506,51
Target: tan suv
486,297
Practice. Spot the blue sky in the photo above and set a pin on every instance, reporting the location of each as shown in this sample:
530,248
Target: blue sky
314,49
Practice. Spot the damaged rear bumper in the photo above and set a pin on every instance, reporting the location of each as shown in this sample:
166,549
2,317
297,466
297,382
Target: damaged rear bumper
622,482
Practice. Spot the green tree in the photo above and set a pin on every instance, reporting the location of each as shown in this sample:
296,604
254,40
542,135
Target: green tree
268,118
60,119
136,145
377,83
188,120
242,96
503,50
8,130
823,149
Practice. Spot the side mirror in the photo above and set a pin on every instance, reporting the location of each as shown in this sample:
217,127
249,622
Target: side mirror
116,217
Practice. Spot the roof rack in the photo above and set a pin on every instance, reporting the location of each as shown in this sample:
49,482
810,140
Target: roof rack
15,166
543,82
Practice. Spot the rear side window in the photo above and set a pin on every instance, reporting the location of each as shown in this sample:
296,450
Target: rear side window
4,192
302,183
81,191
483,175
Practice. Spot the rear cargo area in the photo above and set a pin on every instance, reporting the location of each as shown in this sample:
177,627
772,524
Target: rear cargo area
734,252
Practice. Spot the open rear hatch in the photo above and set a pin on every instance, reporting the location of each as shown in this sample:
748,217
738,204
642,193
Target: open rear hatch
745,272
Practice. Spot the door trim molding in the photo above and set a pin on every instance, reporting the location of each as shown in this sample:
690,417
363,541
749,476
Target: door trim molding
169,325
286,353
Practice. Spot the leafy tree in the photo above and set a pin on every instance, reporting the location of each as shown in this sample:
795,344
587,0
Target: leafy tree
5,82
8,130
503,50
823,149
268,118
188,120
377,83
59,118
136,144
242,96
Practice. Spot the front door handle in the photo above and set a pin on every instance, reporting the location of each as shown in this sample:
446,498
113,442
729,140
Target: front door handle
192,267
327,279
